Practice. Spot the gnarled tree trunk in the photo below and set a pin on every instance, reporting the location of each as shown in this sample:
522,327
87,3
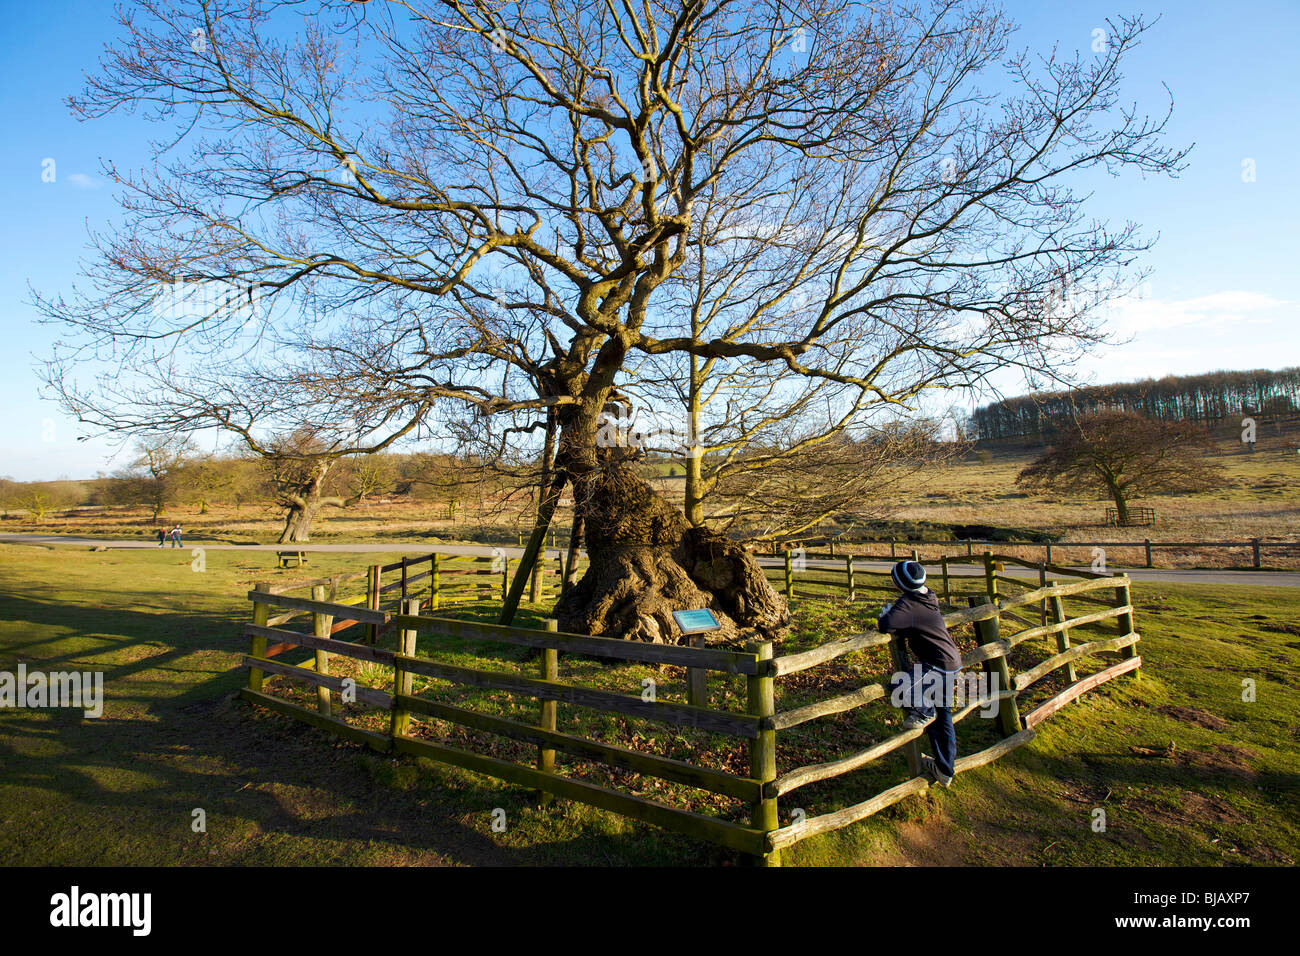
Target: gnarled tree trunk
303,501
647,561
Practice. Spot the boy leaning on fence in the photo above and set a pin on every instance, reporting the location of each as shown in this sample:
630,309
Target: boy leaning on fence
916,619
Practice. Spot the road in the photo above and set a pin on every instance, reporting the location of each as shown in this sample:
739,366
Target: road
1288,579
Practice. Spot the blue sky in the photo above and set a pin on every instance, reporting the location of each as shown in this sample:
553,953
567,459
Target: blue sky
1222,294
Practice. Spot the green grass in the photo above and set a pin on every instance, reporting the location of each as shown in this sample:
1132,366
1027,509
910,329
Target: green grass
121,790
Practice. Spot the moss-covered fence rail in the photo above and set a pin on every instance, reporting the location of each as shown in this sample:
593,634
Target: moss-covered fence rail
386,643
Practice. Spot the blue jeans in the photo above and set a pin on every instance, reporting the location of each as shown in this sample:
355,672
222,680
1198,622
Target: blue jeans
943,736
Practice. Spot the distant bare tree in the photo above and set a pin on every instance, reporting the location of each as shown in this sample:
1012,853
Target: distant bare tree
299,464
35,502
366,475
1124,455
158,462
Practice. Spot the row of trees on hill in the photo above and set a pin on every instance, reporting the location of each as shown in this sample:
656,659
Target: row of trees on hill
1202,399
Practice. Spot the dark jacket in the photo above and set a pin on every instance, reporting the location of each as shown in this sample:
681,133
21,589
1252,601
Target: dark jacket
915,617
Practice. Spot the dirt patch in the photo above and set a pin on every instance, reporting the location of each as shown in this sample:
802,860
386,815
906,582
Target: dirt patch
1191,715
1228,759
1292,629
1192,810
1092,795
930,842
1206,812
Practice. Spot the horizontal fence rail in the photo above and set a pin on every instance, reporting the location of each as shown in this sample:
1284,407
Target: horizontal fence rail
1002,621
900,549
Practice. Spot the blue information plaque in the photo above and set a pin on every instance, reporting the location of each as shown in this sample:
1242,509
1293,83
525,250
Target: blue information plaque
696,621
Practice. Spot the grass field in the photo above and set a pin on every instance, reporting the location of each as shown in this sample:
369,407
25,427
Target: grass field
1186,770
1258,496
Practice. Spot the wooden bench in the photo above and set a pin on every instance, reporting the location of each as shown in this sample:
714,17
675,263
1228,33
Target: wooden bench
282,558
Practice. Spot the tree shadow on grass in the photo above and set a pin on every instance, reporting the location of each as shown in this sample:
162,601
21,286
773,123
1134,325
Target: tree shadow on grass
122,789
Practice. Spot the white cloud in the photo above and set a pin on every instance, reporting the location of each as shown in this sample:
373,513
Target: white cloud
1155,337
82,181
1223,330
1135,315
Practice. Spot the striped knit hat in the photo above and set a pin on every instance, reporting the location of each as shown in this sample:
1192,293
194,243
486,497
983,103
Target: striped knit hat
908,576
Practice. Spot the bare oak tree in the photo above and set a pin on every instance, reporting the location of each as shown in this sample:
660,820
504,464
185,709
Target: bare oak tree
157,466
492,201
1124,455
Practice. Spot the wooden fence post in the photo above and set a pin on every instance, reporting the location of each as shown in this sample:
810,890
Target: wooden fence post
990,577
403,579
401,717
832,543
434,584
916,556
1148,544
986,632
261,614
970,548
789,576
912,749
893,551
697,688
1049,552
550,671
1062,636
1123,597
761,700
1042,583
372,600
947,595
1254,547
848,569
321,624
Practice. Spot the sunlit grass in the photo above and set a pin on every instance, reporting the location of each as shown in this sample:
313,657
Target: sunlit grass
122,789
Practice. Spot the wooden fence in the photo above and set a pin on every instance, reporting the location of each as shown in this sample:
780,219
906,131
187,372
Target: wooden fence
1252,550
438,580
754,827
